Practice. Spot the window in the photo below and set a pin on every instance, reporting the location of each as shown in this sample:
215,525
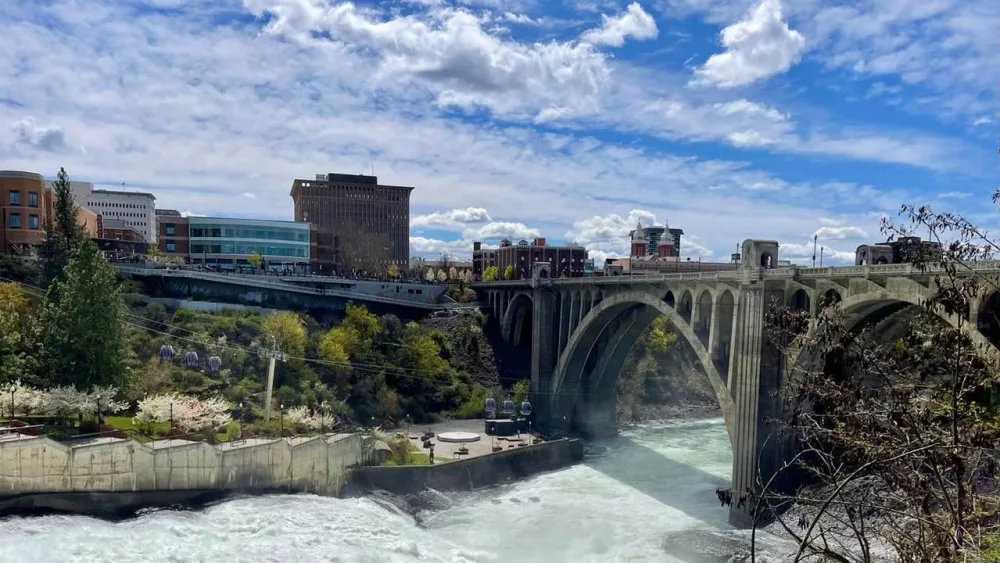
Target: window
15,197
170,229
32,199
32,221
15,220
170,246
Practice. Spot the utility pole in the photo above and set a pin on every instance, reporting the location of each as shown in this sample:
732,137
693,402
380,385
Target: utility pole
822,249
272,354
815,239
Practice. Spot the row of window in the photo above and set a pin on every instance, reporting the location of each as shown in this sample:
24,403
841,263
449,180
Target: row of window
259,233
123,214
15,221
14,198
111,204
246,248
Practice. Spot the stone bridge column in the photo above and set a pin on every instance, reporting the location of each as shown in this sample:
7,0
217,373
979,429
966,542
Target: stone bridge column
562,317
544,339
754,379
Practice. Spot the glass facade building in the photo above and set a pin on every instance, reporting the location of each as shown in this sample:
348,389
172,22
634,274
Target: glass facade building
231,241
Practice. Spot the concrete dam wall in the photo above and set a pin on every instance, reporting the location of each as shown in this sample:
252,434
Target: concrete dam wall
113,476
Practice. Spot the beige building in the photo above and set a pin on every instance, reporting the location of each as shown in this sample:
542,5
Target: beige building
370,221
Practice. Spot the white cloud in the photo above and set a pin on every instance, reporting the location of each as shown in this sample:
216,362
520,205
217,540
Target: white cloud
455,218
840,232
634,22
249,195
757,47
982,120
500,230
192,214
448,51
48,138
802,253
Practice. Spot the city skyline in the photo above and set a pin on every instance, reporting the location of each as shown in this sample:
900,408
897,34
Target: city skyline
650,113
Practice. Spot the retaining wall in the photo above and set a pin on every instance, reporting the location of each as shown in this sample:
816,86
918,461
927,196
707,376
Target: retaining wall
108,475
467,474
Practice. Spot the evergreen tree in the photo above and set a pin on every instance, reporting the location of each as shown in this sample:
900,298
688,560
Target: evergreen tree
63,232
83,340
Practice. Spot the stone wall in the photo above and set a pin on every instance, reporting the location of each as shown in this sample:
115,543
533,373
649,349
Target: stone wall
470,473
40,473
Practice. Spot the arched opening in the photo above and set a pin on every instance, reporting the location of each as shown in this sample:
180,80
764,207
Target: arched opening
766,261
881,261
685,306
800,301
515,328
727,310
584,387
988,322
543,273
669,299
704,321
830,297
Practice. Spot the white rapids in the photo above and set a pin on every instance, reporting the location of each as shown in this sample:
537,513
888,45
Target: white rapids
652,483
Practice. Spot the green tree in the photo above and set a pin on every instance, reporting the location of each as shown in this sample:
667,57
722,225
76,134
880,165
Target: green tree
508,272
83,340
288,330
393,270
361,320
255,259
17,334
153,251
520,391
490,274
63,232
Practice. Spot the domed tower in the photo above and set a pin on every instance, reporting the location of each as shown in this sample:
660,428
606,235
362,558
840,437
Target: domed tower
666,247
639,244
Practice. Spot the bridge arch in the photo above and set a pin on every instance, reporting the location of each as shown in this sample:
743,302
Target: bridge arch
703,323
686,305
638,310
517,318
859,308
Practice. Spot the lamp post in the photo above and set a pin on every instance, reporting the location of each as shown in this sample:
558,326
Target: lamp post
281,418
241,420
815,240
12,390
98,398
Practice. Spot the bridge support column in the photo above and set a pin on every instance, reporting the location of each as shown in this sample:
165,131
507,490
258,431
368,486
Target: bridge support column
562,317
545,320
754,378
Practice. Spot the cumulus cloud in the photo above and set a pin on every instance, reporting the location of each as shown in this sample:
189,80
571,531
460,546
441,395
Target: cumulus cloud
48,138
450,52
634,22
498,230
757,47
456,218
802,253
249,195
608,232
840,232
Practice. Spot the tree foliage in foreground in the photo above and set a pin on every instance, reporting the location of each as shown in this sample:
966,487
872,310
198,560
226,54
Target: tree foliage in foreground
84,342
898,438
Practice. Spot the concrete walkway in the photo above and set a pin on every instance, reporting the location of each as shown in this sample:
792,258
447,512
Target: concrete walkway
444,451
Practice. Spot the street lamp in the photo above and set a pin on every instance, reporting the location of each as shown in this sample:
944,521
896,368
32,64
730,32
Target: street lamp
281,418
98,398
12,390
241,420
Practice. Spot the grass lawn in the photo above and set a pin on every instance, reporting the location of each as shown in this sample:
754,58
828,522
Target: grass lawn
161,428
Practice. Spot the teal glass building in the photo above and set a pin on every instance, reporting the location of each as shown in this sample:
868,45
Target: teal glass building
229,242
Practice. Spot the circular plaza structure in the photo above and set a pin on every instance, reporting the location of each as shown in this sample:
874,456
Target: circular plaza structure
458,437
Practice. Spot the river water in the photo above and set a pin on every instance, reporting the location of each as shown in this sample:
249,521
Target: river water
648,495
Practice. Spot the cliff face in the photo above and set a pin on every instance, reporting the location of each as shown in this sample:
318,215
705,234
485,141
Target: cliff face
469,347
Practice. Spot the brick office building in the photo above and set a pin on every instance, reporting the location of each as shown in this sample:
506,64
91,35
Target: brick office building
567,260
25,205
369,222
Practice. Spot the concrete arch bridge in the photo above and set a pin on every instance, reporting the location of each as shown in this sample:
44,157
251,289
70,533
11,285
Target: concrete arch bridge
580,331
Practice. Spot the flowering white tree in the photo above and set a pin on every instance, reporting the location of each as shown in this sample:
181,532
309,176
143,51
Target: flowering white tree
442,275
453,273
431,275
188,413
304,417
65,401
25,400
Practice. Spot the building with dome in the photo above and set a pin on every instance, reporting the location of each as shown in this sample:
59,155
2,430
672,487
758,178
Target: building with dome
659,242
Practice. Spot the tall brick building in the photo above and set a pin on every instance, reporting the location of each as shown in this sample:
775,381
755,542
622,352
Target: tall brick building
369,222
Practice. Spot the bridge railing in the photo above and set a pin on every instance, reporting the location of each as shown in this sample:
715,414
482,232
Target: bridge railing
276,284
984,266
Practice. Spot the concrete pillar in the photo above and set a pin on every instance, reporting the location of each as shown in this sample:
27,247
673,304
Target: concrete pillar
714,328
754,375
574,313
695,311
562,318
544,335
582,309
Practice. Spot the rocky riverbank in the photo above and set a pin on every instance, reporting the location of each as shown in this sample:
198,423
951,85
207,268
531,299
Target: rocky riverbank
687,410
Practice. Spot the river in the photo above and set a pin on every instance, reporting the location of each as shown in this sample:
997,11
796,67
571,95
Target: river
647,495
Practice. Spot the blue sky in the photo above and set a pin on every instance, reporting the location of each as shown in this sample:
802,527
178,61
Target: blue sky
730,119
